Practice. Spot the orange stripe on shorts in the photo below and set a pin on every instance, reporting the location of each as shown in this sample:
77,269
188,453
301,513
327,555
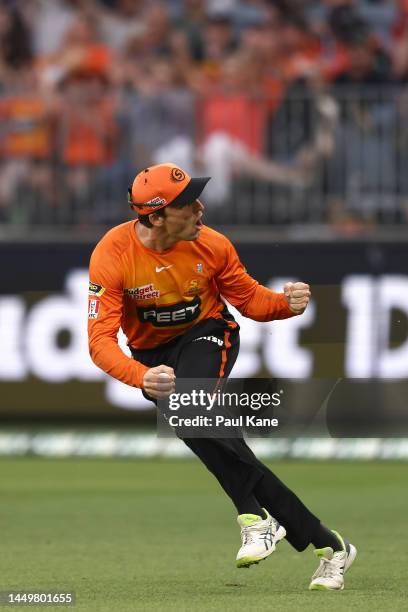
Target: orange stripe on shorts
227,345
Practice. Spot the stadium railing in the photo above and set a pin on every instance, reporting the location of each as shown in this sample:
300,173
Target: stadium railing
314,162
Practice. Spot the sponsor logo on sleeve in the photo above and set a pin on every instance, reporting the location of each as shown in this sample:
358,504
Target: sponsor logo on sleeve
93,308
145,292
95,289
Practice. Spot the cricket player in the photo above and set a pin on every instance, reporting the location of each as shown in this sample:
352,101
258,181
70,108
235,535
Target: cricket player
162,278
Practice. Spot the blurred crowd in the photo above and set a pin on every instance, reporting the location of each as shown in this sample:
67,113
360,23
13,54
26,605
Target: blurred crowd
296,108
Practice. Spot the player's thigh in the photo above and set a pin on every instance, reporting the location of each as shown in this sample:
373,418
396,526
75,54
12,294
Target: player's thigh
212,356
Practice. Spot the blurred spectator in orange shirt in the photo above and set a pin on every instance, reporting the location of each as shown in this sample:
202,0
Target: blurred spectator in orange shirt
26,145
231,122
26,125
87,131
236,107
87,126
80,49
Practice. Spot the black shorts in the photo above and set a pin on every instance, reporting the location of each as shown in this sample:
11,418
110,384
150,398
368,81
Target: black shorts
207,350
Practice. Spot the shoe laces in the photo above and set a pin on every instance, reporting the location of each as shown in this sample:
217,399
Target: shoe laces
249,532
247,535
330,568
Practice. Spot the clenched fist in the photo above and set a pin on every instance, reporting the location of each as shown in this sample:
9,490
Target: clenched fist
159,382
298,296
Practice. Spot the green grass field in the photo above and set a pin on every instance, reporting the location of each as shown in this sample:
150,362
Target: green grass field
160,535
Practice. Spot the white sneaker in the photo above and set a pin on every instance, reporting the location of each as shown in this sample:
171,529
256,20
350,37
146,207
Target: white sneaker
329,576
259,538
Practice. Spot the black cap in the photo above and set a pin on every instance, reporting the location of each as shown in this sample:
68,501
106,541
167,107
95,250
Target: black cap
191,192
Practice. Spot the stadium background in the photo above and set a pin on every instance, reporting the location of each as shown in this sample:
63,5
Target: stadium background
298,110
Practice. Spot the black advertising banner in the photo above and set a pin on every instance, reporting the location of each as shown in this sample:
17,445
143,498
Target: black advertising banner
356,327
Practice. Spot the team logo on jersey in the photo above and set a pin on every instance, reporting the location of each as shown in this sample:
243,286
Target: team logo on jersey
200,268
95,289
167,316
145,292
193,287
93,308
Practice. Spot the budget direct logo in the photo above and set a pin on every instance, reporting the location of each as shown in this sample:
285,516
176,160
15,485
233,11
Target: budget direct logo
145,292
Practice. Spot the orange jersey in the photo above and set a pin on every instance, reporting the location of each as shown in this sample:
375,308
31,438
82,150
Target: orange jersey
89,143
27,130
155,296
